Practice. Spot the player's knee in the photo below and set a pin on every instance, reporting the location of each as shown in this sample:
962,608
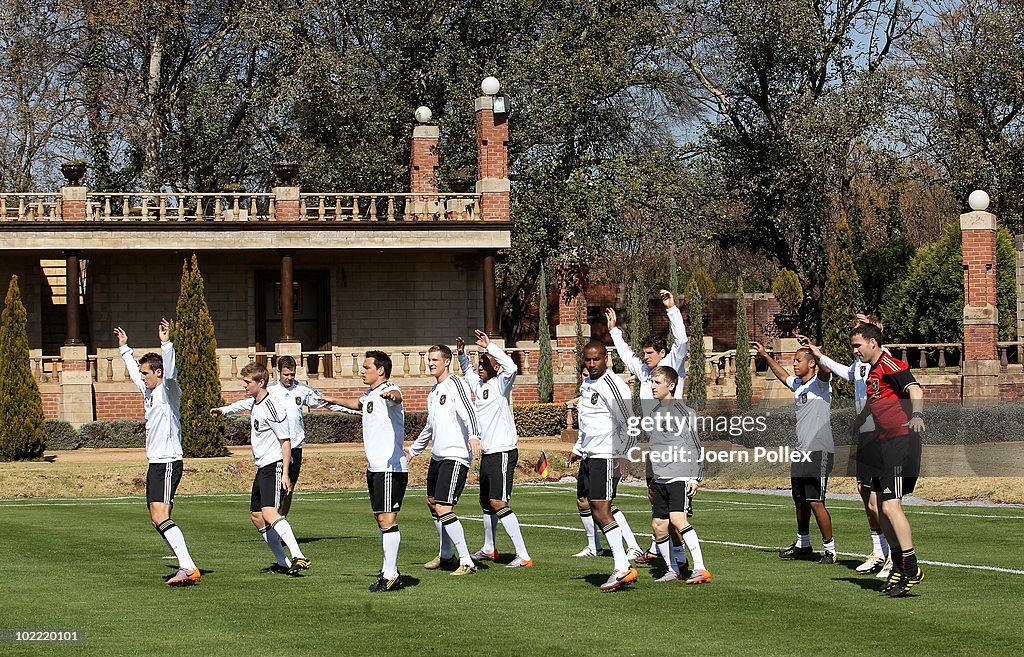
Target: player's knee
496,505
582,503
257,518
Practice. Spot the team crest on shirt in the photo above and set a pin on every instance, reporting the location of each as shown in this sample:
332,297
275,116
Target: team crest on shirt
298,401
863,371
874,386
803,398
486,393
369,407
593,398
444,398
256,425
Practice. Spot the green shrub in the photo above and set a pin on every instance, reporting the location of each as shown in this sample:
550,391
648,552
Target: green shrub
22,435
414,423
114,433
788,291
333,428
238,431
705,285
539,419
61,435
545,363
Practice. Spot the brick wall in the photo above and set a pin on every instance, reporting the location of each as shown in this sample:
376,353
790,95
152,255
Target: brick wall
113,405
51,404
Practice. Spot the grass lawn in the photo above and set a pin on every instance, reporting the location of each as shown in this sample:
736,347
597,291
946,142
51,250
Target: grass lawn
97,566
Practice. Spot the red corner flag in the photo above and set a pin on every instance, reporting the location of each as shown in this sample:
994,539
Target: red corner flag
542,465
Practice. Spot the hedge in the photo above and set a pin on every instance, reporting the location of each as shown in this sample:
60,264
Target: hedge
61,435
539,419
114,433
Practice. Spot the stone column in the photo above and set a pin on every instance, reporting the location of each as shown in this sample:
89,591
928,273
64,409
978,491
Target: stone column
72,285
981,318
423,161
76,385
490,297
287,307
492,161
74,206
286,203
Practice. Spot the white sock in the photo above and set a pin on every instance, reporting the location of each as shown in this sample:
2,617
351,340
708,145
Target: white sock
510,522
490,529
664,548
830,545
391,538
613,536
445,543
284,530
274,541
453,527
654,545
627,532
587,518
883,543
802,540
176,541
693,545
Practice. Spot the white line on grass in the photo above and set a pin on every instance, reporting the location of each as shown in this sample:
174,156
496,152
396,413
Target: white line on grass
967,566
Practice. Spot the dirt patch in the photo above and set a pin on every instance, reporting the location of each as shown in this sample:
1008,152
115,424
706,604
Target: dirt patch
120,472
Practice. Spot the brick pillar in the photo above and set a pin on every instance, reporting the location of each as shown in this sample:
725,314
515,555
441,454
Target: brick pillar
286,203
76,386
423,160
981,318
74,206
492,161
570,290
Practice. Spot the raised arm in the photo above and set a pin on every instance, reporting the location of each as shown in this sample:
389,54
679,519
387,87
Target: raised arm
469,373
128,358
509,369
780,372
167,350
681,344
825,363
626,355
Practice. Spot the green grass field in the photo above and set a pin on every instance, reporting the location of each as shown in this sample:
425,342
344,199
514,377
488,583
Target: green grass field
96,565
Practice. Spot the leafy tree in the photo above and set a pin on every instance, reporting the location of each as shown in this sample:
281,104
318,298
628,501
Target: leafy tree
705,284
744,383
842,297
927,305
581,341
673,287
966,97
696,369
882,266
788,291
198,374
545,368
22,433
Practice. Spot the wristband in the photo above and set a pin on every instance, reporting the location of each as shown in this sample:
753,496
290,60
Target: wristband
917,414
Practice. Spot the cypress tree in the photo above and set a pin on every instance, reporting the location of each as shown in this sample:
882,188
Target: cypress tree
696,370
581,342
195,344
744,384
545,371
22,432
842,294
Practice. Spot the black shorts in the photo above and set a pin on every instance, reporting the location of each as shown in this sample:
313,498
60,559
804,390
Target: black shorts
445,481
496,474
867,457
809,481
669,498
266,487
900,466
598,479
387,490
162,481
295,465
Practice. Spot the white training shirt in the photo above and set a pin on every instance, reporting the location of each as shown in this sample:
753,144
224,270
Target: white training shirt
675,358
493,401
451,423
163,406
293,399
683,442
269,424
857,374
383,430
604,408
813,414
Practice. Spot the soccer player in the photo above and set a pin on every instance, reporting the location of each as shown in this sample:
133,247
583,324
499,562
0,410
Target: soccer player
604,409
271,449
812,391
491,384
157,377
889,387
452,425
655,353
387,468
675,480
857,374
